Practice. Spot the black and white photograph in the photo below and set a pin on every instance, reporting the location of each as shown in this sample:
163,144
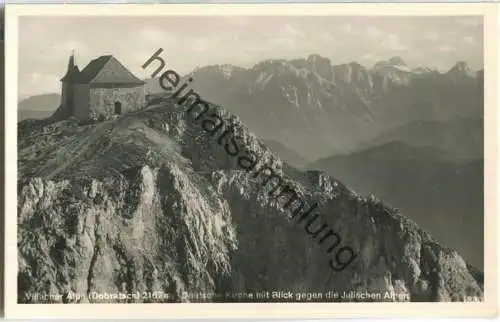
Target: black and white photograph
250,158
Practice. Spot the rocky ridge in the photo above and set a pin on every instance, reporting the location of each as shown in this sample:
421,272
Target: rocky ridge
150,202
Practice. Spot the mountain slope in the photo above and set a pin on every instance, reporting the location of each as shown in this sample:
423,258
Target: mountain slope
38,106
151,202
285,153
460,137
425,183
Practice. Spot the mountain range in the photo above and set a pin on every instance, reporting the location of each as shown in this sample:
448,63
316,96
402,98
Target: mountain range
320,109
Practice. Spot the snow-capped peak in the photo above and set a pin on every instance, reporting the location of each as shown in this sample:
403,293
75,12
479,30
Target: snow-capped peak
314,57
226,70
424,70
397,61
461,67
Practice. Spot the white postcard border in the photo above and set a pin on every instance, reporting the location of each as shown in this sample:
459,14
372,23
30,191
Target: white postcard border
489,308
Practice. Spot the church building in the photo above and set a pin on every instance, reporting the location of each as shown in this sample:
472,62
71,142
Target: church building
103,88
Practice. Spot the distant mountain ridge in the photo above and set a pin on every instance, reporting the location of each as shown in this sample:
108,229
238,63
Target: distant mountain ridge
38,106
338,106
42,102
286,154
442,193
461,137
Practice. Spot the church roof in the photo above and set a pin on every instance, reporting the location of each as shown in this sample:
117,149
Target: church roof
102,70
107,70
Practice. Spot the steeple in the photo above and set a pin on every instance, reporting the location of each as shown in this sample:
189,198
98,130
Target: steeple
71,63
73,71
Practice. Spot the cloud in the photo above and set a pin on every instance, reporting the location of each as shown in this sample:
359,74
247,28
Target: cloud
325,36
201,44
369,57
287,36
345,28
393,42
152,34
431,35
289,30
282,42
445,49
239,21
469,40
68,46
35,83
473,21
374,32
415,54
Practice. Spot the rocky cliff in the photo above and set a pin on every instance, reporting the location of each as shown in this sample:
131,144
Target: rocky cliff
150,202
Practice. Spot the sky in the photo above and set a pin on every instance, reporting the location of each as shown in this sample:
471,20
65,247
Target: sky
45,43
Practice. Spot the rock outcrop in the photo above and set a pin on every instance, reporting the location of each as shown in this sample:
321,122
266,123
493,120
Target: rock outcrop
150,202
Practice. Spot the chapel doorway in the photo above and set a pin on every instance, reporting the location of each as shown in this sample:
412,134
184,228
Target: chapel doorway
118,107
